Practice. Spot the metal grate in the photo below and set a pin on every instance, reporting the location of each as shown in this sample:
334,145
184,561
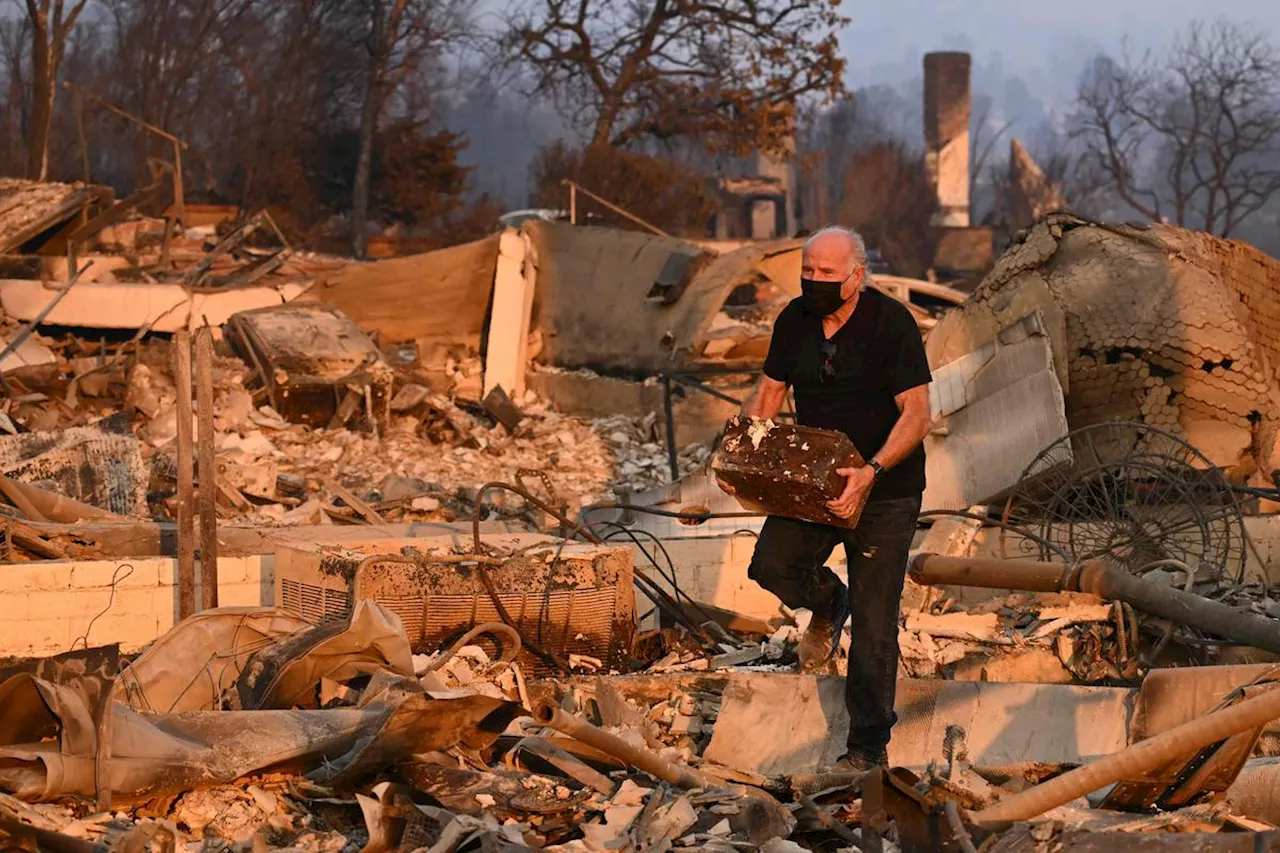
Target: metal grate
576,620
590,620
313,603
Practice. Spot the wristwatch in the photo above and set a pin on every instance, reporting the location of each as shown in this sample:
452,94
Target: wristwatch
878,468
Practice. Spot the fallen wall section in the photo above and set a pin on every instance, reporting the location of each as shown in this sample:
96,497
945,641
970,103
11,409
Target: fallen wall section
116,305
435,296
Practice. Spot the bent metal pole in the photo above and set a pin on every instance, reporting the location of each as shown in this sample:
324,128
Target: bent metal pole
1113,583
1136,760
656,766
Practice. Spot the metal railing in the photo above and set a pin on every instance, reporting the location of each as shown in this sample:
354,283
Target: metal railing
690,379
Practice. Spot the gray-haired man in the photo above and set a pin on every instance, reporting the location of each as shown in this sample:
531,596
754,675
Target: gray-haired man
856,361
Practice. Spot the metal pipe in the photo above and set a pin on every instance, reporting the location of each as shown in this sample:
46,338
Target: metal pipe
509,652
1185,608
1112,583
990,573
668,409
696,517
574,186
208,466
1136,760
547,714
179,195
546,654
540,504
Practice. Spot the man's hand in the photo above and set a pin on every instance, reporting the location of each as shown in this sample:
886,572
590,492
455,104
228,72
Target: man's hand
857,487
725,487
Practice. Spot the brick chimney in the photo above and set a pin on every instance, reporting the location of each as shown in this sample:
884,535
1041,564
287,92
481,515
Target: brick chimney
946,133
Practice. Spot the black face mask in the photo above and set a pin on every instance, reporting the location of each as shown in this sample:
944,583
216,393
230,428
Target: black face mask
824,296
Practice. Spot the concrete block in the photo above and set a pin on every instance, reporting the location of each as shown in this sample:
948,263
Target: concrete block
1004,723
16,609
36,637
63,603
126,574
131,632
44,576
14,581
239,595
167,573
141,602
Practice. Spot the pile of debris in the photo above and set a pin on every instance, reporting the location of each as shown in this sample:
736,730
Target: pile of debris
421,458
336,737
1050,638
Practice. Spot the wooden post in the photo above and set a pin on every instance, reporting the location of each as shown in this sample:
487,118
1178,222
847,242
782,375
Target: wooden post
208,470
186,477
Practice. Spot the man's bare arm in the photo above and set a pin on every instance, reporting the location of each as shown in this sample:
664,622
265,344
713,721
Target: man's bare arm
766,399
911,428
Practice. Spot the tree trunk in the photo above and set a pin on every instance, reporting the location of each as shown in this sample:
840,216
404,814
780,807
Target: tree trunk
368,126
42,95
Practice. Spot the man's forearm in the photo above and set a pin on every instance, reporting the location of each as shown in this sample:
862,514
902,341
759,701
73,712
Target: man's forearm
764,401
754,406
907,433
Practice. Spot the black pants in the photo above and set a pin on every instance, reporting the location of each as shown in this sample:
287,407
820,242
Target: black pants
789,562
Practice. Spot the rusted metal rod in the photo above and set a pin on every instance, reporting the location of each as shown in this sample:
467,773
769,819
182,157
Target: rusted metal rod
547,714
546,654
1135,761
1109,582
538,502
208,468
186,477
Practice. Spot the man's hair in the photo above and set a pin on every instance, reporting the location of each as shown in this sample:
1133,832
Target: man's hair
855,239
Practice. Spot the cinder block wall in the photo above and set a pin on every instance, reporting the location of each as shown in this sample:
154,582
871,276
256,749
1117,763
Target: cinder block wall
47,607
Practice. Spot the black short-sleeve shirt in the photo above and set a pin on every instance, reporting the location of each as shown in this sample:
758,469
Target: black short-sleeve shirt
878,355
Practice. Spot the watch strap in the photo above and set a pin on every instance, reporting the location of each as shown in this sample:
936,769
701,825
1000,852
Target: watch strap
877,467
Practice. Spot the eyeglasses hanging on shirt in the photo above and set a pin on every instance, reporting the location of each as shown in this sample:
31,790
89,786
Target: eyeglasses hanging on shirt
828,369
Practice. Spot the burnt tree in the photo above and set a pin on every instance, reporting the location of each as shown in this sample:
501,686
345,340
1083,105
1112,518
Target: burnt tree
890,200
726,74
1192,136
401,36
51,22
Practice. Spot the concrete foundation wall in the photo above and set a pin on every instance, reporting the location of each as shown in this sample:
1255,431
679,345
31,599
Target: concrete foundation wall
50,606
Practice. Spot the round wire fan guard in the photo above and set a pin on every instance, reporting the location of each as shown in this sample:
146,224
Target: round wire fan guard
1133,493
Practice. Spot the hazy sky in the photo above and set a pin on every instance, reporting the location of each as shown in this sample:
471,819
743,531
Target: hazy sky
1044,43
1027,58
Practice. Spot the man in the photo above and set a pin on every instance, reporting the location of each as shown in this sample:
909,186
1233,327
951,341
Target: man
856,361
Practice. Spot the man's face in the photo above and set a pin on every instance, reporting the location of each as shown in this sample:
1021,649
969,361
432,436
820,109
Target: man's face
830,258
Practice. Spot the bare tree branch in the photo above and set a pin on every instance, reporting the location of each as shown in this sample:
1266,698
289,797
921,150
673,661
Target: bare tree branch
1195,132
728,74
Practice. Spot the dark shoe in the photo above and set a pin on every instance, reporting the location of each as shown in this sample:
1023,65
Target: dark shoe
815,646
855,762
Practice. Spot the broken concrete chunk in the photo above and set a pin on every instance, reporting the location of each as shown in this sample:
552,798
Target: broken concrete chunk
671,821
409,397
630,794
